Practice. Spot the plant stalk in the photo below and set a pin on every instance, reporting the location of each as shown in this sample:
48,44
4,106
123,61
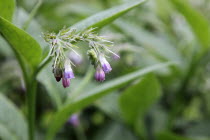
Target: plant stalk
31,103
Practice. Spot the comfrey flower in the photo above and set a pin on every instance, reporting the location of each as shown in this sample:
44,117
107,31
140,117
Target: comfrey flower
105,64
99,75
68,72
65,82
65,40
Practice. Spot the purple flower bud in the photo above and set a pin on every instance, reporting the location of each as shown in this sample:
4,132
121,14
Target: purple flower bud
99,75
74,120
105,64
65,82
75,58
68,72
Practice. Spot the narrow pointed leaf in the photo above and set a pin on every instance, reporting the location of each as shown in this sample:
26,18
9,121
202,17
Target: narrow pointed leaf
105,17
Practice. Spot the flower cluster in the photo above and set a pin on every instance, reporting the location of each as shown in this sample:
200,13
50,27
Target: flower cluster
65,40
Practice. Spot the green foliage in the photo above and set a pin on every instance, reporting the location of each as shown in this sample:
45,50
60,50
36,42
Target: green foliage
170,136
12,123
7,9
88,97
199,24
22,43
138,98
105,17
159,89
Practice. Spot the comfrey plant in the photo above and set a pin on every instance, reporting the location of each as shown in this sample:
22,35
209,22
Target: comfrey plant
65,40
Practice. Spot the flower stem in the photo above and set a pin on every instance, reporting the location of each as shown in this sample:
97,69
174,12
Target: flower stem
31,104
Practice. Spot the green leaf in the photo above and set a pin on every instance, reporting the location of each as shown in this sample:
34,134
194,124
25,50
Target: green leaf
21,42
12,122
170,136
139,97
197,21
105,17
83,100
7,9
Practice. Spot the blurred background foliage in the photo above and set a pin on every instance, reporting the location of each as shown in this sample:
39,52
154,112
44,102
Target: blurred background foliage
169,104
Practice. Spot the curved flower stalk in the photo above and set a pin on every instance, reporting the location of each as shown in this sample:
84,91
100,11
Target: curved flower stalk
65,40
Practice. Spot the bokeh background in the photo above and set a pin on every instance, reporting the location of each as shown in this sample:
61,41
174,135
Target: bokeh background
172,103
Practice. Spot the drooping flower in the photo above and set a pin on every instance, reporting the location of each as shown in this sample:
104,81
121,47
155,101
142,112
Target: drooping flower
65,82
68,72
105,64
99,74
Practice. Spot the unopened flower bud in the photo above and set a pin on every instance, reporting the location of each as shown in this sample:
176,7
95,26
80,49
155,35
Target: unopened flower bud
65,82
57,73
92,56
99,75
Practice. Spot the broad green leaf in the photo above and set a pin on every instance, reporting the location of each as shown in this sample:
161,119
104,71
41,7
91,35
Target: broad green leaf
12,122
197,21
21,42
170,136
139,97
105,17
89,97
7,9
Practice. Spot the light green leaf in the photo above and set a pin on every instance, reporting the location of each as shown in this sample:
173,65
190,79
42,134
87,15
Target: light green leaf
7,9
139,97
197,21
21,42
12,122
79,102
105,17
